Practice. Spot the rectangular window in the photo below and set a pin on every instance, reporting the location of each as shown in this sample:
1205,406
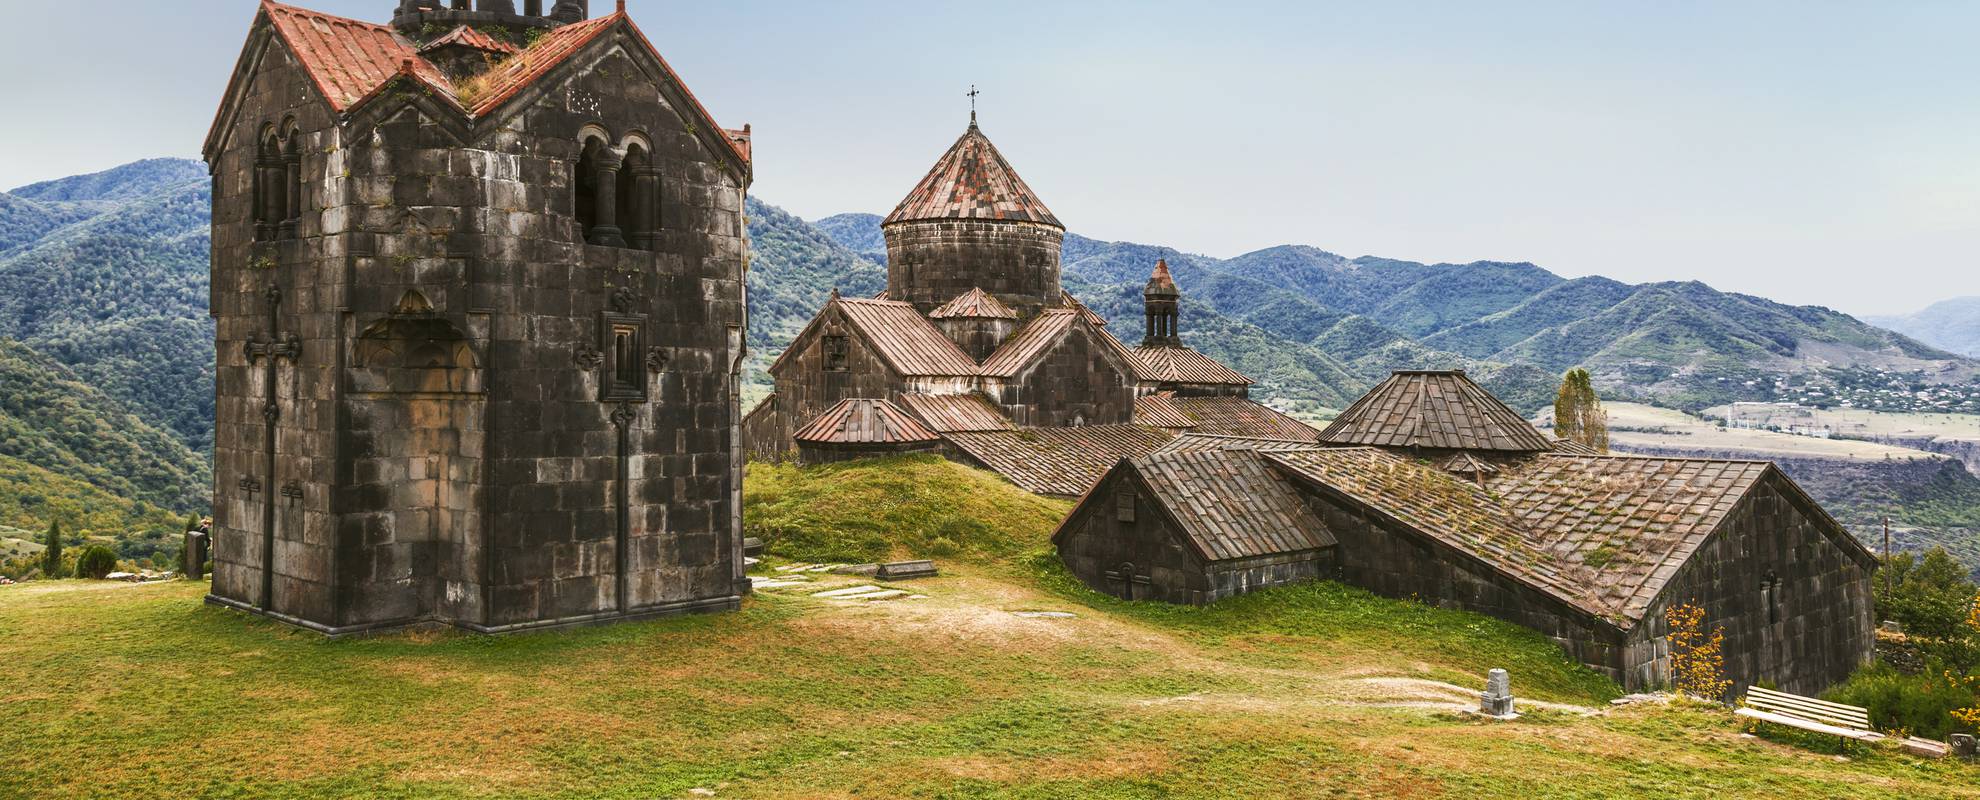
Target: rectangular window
624,373
835,353
1124,507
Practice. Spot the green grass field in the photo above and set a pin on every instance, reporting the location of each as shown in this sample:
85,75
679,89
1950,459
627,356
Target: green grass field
116,690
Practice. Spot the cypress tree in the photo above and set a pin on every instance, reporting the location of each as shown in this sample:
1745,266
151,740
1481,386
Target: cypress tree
1578,413
51,558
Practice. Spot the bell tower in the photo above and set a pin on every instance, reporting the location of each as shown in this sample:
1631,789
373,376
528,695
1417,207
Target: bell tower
1159,301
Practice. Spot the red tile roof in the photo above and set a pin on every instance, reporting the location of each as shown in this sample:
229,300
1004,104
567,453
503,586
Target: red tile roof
973,181
1160,282
467,36
1437,410
350,60
949,413
1185,365
511,76
907,341
1058,461
974,304
860,420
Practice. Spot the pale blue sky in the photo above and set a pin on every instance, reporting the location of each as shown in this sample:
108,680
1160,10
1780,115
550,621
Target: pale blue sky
1810,152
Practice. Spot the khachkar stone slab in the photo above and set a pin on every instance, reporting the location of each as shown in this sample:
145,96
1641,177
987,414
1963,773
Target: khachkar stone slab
1497,701
478,359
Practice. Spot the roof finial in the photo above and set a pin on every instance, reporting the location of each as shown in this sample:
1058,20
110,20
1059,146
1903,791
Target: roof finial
972,104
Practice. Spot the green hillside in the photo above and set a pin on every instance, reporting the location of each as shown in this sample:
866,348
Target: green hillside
51,419
114,690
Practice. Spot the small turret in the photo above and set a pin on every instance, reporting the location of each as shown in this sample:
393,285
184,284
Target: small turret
1160,300
426,20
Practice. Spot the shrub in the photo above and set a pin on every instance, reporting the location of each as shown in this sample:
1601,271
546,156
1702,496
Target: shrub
96,561
1698,664
1923,704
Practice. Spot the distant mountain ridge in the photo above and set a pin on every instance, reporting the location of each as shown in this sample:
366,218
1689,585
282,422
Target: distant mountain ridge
1948,324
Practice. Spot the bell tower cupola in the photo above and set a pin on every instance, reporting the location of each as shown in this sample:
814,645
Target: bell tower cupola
1159,302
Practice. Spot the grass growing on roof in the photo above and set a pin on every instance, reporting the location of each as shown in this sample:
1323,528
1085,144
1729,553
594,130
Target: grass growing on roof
918,506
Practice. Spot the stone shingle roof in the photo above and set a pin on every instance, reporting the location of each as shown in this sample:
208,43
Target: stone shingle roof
1172,364
1238,416
1158,410
1197,442
1601,533
1434,409
861,420
1230,504
1058,461
907,341
974,304
948,413
973,181
1030,342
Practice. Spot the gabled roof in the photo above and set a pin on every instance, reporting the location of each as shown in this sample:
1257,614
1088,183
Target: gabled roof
1238,416
1067,300
973,181
1157,410
948,413
348,59
1434,409
974,304
1603,534
905,339
861,420
1058,461
1229,504
1172,364
469,36
1030,342
1197,442
352,61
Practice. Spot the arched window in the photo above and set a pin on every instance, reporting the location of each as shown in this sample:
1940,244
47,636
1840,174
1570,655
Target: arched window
632,200
271,194
291,184
584,186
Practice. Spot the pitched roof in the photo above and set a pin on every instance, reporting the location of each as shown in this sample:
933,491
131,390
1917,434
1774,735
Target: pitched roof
1058,461
509,77
1230,504
907,341
1068,301
862,420
1434,409
1030,342
974,304
348,59
948,413
973,181
1197,442
469,36
1601,533
1172,364
1238,416
1572,447
1157,410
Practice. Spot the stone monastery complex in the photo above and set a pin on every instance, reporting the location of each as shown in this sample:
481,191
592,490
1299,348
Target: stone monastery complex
478,276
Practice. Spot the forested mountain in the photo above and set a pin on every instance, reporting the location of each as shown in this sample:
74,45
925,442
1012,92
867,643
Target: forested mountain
1948,324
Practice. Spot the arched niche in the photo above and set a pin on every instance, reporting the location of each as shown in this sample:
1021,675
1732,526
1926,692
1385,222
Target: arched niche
418,354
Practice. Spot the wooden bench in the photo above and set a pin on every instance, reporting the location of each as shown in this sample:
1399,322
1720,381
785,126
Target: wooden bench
1809,714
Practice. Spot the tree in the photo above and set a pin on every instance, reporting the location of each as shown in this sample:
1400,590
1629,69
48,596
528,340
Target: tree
1578,413
51,558
95,562
1698,664
1929,595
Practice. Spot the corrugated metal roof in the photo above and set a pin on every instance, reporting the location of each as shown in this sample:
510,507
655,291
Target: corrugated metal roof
1030,341
1231,504
905,339
948,413
1239,416
1434,409
1185,365
973,181
348,59
863,420
974,304
1058,461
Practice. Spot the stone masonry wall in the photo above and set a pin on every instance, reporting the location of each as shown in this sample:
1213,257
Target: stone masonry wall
931,262
1077,383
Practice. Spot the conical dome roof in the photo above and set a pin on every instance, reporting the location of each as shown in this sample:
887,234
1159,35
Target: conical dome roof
973,181
1160,282
1437,409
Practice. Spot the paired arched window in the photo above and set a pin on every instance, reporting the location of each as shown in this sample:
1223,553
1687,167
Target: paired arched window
277,195
616,192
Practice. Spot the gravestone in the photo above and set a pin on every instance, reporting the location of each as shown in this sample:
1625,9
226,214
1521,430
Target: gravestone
1497,701
903,570
195,555
1963,745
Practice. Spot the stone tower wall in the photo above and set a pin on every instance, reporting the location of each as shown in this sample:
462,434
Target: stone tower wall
931,262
